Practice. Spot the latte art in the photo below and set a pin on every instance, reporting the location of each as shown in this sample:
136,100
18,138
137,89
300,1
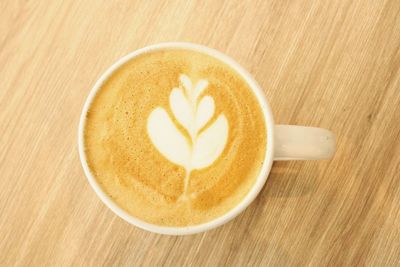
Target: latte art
175,137
193,112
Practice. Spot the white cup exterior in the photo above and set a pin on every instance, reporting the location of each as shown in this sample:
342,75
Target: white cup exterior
251,195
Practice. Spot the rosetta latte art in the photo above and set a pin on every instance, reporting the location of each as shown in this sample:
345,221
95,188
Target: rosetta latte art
193,112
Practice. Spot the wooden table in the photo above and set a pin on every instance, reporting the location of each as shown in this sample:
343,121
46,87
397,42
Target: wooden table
333,64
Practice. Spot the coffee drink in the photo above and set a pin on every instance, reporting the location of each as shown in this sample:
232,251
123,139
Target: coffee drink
175,137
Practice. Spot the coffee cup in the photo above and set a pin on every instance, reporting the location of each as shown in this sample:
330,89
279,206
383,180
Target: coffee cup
284,142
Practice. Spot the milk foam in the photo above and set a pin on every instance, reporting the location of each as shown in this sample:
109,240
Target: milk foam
145,101
193,112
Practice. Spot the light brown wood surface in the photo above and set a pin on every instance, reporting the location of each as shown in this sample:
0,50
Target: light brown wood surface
333,64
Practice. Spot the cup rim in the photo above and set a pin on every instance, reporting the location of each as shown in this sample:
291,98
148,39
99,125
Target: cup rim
250,196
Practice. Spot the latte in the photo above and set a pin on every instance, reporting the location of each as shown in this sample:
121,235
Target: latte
175,137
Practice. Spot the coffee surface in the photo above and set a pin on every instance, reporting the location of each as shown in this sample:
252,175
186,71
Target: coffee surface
175,137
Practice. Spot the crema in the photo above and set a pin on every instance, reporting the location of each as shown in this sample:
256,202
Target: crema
175,137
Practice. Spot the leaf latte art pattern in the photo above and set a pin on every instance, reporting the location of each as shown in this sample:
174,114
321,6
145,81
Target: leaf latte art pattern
192,111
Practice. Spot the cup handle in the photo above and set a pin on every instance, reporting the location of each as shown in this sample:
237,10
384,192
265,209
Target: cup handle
303,143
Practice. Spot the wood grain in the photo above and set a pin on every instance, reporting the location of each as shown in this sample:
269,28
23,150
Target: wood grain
333,64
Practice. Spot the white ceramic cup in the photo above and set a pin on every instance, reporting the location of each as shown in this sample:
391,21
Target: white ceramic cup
284,142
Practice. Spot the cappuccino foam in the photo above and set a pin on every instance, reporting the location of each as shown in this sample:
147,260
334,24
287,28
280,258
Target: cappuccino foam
175,137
